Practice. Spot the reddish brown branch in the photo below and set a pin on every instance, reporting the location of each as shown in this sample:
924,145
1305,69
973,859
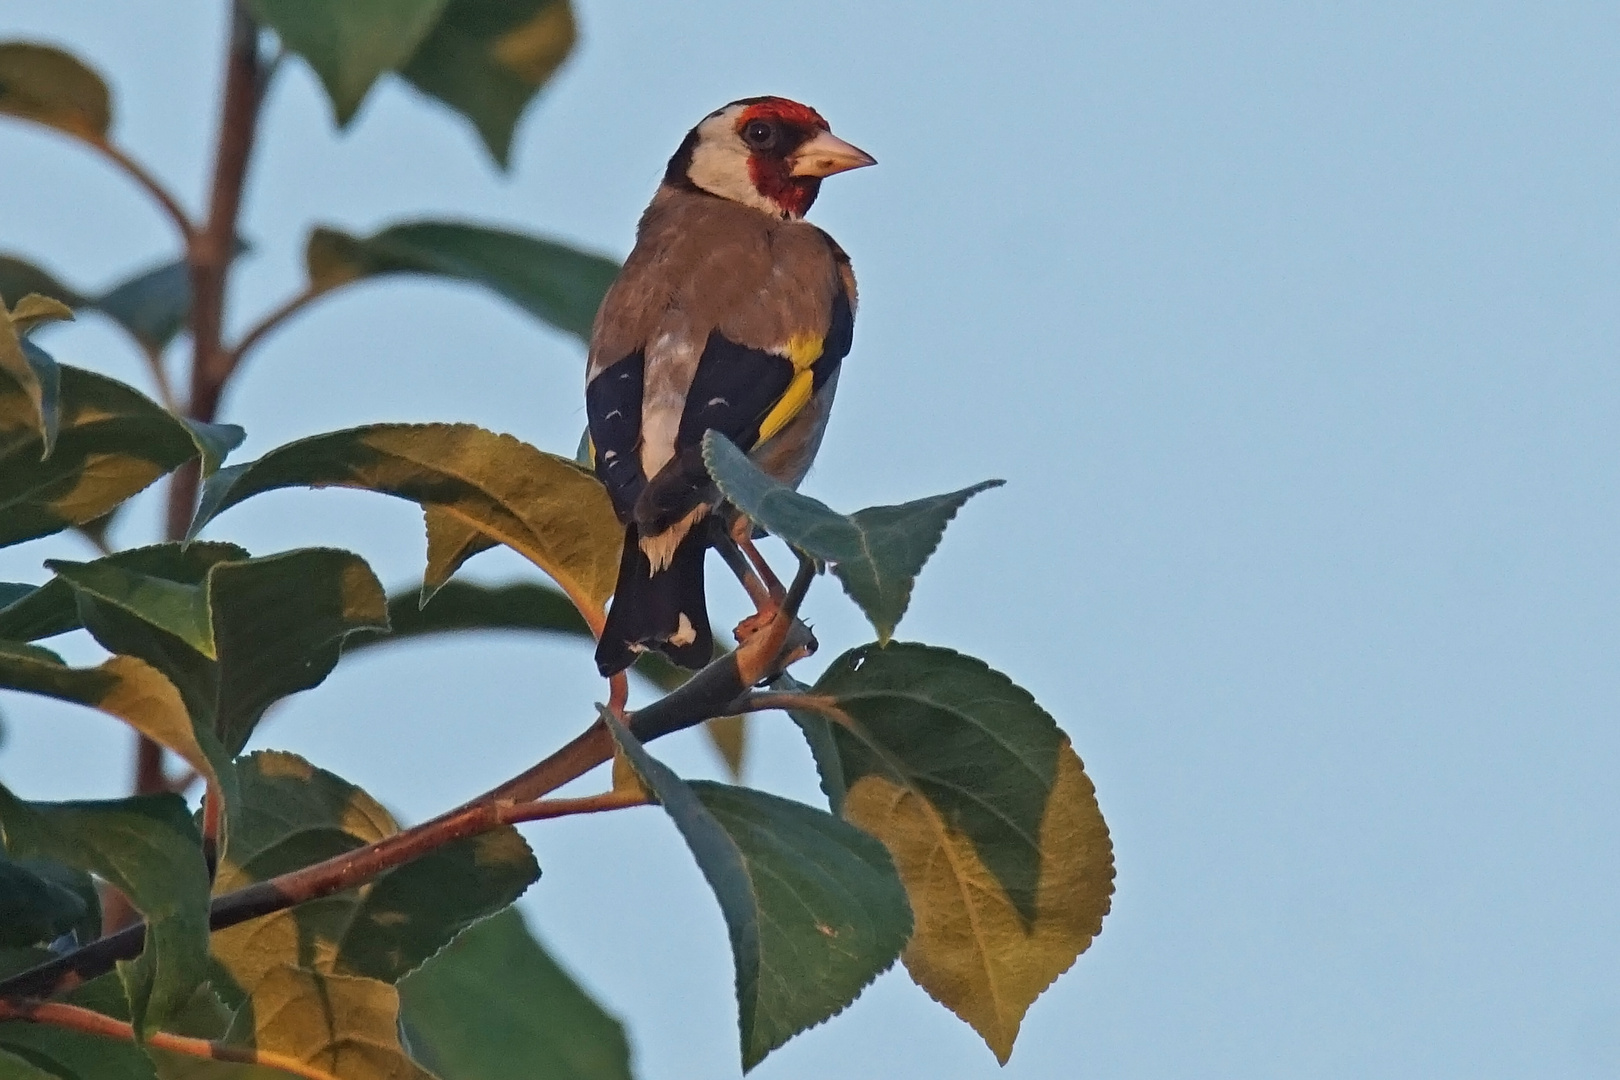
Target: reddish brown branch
88,1022
714,691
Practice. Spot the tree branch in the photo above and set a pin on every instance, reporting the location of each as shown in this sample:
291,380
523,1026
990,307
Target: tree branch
89,1022
714,691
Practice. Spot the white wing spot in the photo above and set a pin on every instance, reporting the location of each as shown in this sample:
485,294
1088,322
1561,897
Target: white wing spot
685,633
716,401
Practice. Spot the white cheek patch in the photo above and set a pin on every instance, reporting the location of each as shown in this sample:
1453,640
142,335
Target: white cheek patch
720,163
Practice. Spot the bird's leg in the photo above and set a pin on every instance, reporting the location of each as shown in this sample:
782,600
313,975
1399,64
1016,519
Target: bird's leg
742,535
734,558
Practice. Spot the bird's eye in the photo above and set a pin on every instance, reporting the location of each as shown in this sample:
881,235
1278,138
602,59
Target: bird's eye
760,134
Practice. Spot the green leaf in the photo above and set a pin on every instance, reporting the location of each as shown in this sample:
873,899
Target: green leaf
494,1005
35,908
52,608
13,591
343,1025
295,814
544,507
179,609
54,88
19,278
235,634
148,848
112,442
814,908
486,60
13,1067
350,43
555,283
989,816
88,926
876,553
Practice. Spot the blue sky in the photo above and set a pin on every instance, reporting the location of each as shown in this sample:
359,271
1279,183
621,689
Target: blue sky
1293,329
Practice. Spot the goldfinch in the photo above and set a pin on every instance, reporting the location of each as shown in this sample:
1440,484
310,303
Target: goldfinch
733,314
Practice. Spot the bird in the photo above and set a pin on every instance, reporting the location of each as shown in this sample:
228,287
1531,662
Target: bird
733,314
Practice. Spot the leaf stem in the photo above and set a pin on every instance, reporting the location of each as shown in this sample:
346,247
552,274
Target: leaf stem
88,1022
153,187
293,305
545,809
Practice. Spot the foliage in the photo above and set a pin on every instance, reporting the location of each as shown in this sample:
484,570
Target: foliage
288,923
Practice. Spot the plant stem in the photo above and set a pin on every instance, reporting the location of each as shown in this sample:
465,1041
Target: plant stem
138,172
714,691
89,1022
293,305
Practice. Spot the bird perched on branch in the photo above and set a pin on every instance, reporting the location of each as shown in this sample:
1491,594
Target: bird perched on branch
732,314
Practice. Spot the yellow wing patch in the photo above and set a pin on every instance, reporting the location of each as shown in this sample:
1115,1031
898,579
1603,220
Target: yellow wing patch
803,350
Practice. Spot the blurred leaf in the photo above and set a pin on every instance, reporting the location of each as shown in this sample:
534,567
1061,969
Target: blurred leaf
542,506
235,634
11,592
153,306
54,88
729,734
461,606
990,819
35,909
551,281
13,1067
112,442
876,553
88,926
487,58
19,278
294,815
32,371
350,43
494,1005
346,1026
813,906
34,311
148,848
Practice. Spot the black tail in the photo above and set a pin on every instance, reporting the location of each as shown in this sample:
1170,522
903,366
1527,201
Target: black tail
647,608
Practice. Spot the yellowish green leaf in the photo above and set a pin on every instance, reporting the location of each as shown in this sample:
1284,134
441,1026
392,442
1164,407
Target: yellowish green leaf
542,506
346,1026
989,817
54,88
111,443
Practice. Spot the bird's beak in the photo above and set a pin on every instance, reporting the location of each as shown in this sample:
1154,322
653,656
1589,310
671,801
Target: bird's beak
827,154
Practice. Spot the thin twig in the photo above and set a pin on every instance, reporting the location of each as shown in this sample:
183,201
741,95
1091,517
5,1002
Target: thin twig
138,172
294,304
763,700
89,1022
546,809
